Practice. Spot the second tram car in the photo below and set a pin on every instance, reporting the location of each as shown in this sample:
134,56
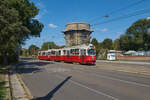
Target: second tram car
83,54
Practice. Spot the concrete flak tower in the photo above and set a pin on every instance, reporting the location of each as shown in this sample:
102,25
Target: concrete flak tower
77,33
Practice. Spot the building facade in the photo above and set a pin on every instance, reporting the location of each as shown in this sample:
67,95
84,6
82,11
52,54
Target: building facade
77,33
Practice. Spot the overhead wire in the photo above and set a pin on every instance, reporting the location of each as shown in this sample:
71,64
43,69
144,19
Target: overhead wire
118,10
139,12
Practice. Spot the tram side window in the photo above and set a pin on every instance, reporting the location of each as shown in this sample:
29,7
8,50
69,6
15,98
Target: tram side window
49,53
54,52
46,53
64,52
72,51
43,54
83,51
76,51
59,52
68,53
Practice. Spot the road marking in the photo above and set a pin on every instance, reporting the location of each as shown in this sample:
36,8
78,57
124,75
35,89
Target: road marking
125,81
93,90
98,92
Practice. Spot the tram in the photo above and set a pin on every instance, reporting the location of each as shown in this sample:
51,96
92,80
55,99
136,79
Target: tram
83,54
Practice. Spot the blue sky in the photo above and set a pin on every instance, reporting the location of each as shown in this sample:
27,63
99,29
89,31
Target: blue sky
55,14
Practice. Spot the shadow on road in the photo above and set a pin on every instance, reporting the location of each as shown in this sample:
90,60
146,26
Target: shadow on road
28,70
51,93
36,63
31,67
24,58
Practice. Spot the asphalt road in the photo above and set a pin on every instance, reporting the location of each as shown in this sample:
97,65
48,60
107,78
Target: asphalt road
63,81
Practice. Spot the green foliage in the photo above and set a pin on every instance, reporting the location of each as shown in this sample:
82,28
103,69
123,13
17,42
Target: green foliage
2,90
24,52
103,53
33,50
116,44
137,36
2,83
94,42
17,24
48,45
97,45
107,43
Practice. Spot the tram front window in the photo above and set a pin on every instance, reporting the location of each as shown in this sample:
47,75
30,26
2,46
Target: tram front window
91,52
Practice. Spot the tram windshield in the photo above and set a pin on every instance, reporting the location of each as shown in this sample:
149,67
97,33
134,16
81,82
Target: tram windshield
91,52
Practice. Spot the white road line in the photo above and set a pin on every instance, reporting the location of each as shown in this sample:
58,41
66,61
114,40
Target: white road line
135,83
125,81
93,90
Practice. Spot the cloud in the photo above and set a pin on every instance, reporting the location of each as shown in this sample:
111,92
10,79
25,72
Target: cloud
52,26
104,30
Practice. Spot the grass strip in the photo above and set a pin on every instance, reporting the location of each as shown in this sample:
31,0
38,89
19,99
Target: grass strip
2,84
2,90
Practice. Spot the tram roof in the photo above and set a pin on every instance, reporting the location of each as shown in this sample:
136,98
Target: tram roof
83,46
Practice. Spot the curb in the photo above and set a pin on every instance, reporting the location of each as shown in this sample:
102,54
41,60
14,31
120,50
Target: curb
19,90
8,88
25,87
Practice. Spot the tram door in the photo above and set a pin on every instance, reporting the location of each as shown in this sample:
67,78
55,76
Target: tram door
83,55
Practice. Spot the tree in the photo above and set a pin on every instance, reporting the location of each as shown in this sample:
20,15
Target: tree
17,24
94,42
137,36
48,45
107,44
33,49
97,45
24,52
116,44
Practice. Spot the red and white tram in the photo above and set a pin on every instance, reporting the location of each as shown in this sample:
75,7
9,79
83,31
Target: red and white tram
83,54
